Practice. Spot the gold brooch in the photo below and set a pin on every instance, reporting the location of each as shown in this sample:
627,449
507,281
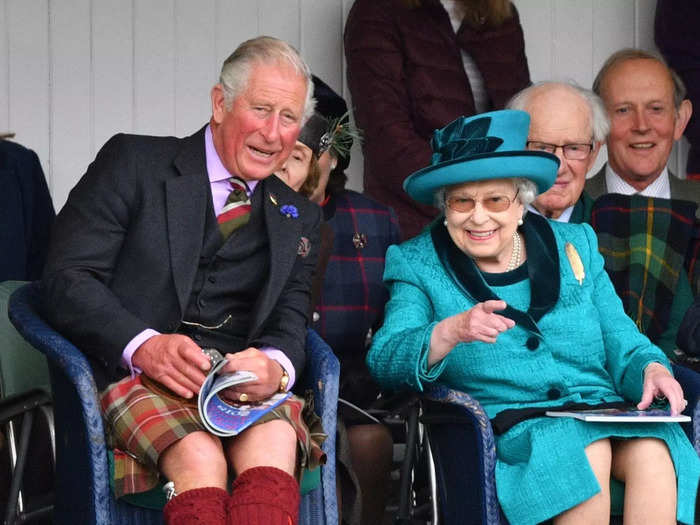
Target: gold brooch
575,262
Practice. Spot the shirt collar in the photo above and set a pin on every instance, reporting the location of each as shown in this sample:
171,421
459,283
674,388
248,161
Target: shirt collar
564,217
215,168
661,187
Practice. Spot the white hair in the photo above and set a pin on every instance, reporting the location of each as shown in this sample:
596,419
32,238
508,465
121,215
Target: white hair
236,69
600,124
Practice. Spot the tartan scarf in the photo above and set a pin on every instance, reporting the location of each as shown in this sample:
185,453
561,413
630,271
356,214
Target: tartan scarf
644,242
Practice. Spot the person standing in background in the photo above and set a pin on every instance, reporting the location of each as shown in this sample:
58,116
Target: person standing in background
414,66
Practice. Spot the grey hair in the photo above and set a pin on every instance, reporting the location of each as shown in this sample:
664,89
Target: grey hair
629,53
527,193
236,69
600,123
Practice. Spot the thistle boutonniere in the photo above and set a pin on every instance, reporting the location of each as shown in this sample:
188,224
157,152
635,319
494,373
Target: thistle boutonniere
290,211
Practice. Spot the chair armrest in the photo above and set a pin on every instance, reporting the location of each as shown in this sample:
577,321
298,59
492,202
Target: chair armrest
323,376
690,381
473,410
81,447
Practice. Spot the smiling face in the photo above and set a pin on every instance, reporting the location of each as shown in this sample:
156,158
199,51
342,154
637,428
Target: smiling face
559,115
296,168
487,237
257,135
638,96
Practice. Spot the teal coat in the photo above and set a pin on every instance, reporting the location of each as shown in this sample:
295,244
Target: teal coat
572,342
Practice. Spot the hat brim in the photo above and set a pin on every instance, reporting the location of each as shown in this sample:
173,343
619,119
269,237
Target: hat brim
541,168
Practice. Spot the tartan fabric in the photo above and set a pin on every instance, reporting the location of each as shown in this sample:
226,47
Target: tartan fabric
143,419
353,294
236,211
644,242
691,259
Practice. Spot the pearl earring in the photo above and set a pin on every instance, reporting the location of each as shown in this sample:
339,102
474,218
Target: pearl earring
520,222
444,222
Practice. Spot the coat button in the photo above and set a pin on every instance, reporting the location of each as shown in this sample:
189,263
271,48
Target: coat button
211,279
197,337
553,393
532,343
202,303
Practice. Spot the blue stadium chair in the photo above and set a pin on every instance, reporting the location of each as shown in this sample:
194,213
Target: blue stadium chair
452,420
82,492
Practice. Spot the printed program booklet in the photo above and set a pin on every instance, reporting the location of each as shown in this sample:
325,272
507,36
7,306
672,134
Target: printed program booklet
225,418
608,415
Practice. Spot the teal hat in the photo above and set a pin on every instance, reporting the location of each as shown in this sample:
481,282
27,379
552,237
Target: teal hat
483,147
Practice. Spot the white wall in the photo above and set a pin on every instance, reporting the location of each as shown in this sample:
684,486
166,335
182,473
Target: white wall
74,72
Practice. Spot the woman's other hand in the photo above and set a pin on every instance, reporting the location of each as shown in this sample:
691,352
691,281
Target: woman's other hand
479,323
659,383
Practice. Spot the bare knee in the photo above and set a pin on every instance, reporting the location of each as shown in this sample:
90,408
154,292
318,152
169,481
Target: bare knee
197,460
372,442
648,457
270,444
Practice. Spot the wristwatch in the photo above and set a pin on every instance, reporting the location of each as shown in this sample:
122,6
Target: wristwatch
284,380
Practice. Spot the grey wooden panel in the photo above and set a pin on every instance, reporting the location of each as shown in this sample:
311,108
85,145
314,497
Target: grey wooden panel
280,19
613,29
321,42
4,71
572,48
112,70
71,111
236,21
195,63
537,21
28,73
154,67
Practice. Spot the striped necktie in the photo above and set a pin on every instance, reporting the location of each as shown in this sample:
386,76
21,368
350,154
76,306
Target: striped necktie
236,211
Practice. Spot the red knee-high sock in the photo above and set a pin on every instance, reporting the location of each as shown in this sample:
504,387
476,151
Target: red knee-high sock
264,496
197,507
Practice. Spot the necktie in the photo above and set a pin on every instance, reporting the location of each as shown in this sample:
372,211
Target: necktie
236,211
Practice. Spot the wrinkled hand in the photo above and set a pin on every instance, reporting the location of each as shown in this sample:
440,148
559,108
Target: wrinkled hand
175,361
479,323
658,382
268,370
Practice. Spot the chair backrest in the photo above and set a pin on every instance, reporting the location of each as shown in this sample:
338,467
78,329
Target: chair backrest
22,367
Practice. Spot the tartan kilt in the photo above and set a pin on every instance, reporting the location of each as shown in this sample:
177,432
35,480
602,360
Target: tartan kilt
142,419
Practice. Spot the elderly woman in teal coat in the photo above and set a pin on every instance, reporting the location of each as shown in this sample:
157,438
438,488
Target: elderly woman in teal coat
520,313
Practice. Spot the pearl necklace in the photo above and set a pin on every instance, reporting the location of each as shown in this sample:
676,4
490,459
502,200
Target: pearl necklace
515,254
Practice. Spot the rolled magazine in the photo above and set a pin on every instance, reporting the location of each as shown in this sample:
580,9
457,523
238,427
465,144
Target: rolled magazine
224,418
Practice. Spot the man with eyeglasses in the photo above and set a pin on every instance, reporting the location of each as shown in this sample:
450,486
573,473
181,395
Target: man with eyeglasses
569,122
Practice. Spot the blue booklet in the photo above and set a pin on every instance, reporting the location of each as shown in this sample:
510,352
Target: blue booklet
608,415
224,418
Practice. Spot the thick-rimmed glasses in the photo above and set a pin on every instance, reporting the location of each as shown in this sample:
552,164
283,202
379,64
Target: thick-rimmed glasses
571,151
492,203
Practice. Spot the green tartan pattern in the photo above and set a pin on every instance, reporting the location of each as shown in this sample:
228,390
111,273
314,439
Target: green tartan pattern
644,242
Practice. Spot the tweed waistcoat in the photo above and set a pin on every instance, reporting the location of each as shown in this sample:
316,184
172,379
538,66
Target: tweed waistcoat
229,278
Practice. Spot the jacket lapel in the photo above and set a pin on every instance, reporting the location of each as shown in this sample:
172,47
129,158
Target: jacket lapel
186,205
283,235
542,264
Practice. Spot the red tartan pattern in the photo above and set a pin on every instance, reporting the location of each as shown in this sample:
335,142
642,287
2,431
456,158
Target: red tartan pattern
141,424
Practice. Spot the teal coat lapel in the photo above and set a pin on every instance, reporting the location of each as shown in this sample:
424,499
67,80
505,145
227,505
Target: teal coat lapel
542,266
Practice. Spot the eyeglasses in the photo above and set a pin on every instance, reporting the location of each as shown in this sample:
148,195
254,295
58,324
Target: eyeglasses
492,203
571,151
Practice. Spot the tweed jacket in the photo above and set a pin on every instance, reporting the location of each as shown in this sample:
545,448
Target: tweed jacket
26,213
680,189
126,246
572,342
353,295
407,79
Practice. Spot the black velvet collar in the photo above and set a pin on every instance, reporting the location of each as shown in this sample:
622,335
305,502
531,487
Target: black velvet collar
542,265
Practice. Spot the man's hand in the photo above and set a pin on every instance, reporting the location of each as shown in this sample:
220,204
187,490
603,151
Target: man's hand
658,382
175,361
268,370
